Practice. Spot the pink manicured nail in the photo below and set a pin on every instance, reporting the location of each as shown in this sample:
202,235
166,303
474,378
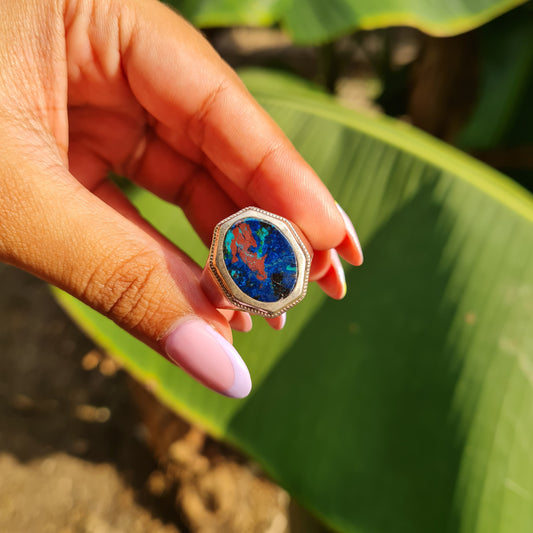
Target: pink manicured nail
339,271
209,358
333,283
354,240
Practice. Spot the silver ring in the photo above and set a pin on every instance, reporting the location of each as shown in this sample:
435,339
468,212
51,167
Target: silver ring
259,262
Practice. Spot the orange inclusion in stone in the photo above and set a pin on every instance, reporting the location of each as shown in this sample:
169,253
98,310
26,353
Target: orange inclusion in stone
241,243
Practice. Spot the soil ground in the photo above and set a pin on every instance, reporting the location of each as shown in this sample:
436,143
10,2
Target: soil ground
74,456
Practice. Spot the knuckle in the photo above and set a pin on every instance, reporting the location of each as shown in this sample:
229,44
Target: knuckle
257,174
128,290
187,191
198,122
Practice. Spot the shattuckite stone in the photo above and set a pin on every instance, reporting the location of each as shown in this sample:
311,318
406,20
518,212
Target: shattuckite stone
260,260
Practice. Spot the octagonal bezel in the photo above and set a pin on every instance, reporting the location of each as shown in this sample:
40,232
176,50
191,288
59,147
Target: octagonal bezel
232,292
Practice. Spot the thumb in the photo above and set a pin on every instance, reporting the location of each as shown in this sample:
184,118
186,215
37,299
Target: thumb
53,227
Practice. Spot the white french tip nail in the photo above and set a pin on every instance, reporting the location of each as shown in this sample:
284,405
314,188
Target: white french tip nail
208,357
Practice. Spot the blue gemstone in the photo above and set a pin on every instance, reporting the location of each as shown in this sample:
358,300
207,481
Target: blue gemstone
260,260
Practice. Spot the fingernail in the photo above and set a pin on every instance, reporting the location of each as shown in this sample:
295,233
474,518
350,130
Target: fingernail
339,271
209,358
354,239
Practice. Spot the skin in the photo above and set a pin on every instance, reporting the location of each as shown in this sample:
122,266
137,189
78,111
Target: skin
88,87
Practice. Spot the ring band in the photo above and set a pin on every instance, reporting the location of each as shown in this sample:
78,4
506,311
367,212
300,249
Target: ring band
259,262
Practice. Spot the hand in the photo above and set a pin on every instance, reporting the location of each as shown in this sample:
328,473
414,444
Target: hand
91,86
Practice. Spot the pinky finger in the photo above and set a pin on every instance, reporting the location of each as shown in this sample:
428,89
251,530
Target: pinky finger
278,322
239,320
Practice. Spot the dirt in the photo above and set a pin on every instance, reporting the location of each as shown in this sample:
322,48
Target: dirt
75,456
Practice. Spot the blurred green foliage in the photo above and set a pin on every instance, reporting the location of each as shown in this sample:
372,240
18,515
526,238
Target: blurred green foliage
503,114
320,21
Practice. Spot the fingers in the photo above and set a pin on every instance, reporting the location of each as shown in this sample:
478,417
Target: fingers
90,170
53,227
277,322
205,203
350,246
239,320
207,120
203,111
178,180
182,82
333,282
327,268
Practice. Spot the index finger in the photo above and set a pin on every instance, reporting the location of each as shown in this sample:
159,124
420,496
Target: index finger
183,83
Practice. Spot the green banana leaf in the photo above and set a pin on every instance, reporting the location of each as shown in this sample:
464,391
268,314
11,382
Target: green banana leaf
318,21
407,406
217,13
